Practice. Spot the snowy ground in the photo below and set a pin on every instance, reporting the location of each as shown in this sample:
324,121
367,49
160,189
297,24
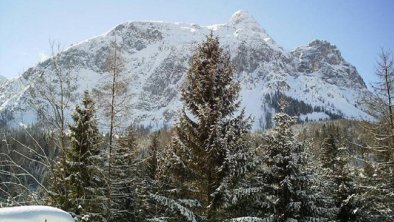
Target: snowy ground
34,214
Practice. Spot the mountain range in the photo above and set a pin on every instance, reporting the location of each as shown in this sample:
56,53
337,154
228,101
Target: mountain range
316,80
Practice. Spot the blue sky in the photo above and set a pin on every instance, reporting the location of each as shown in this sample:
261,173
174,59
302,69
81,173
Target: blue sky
358,27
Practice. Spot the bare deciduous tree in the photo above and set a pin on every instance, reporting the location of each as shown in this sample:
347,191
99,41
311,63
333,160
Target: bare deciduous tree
22,169
51,96
384,87
113,99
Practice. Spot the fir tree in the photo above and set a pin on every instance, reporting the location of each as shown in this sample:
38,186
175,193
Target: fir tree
153,150
329,152
208,154
124,178
285,182
85,182
59,186
339,183
88,182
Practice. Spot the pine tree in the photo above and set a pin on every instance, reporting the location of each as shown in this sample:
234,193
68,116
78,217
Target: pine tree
209,153
124,177
88,182
85,182
339,183
59,186
286,183
153,150
329,152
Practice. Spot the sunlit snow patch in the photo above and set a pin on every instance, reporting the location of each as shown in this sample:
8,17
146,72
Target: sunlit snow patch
34,214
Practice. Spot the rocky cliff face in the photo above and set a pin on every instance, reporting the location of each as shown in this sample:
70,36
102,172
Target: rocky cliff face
157,56
325,58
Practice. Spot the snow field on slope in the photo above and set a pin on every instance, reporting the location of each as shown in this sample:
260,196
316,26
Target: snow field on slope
314,116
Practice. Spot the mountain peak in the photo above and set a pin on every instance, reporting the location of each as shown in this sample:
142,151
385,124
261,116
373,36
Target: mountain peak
241,16
318,55
243,19
319,42
157,55
321,49
326,49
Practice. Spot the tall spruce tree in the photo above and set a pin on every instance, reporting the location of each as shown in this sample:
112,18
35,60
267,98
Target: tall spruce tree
285,182
85,181
153,149
87,178
209,153
339,184
124,178
330,152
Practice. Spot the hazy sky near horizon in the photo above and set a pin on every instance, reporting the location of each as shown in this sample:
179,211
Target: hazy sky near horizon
359,28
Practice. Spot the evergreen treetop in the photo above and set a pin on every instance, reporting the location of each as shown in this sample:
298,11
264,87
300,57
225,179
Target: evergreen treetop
209,153
85,183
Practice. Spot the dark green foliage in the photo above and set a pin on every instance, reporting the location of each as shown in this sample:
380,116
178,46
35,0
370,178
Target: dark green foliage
84,183
330,153
285,182
340,184
295,107
125,178
88,183
359,173
153,150
209,154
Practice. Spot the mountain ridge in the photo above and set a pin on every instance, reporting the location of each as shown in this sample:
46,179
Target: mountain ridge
157,55
3,79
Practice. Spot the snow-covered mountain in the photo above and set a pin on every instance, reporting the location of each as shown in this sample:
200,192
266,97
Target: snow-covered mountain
157,56
2,79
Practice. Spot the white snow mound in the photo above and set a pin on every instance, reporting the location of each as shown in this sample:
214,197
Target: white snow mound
34,214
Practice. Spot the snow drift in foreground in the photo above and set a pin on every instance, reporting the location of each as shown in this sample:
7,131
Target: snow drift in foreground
34,214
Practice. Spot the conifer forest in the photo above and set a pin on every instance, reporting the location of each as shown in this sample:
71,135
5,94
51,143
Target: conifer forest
210,166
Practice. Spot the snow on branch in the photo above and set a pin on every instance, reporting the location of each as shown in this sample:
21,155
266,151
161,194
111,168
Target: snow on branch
175,206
